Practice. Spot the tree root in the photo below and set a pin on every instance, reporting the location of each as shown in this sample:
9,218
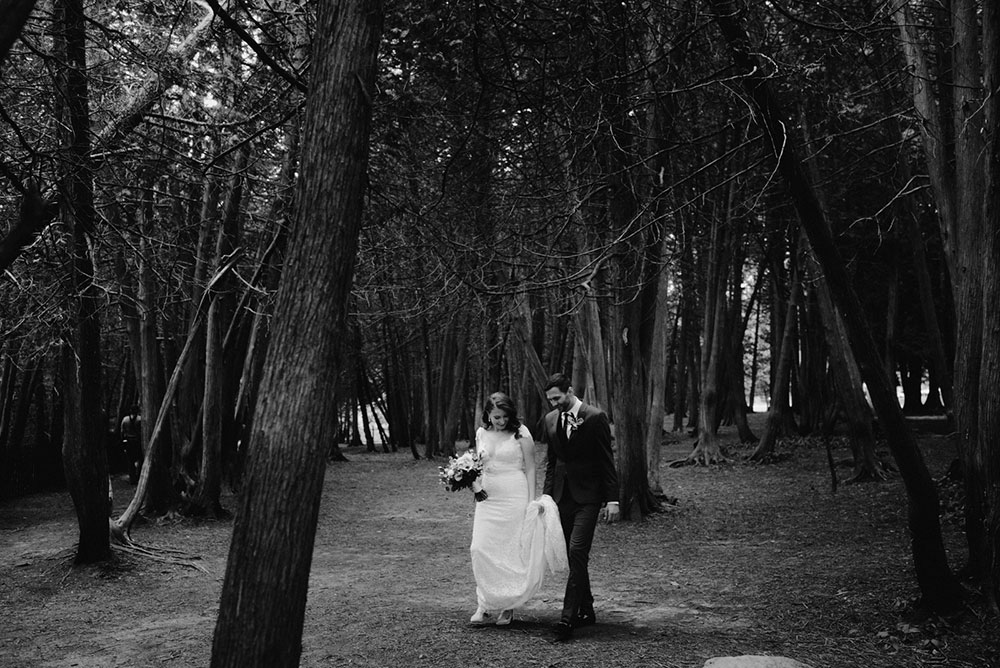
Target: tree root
867,475
701,457
121,542
161,554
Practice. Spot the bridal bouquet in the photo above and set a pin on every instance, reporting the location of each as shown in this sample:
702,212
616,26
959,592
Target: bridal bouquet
464,472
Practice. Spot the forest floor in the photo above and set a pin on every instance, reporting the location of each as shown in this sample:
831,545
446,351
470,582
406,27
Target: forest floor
752,559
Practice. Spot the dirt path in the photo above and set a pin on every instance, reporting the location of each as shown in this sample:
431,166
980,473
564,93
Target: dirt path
753,560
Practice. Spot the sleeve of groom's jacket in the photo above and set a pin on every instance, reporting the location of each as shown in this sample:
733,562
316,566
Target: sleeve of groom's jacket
609,473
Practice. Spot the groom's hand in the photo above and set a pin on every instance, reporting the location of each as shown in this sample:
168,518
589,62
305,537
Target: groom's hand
611,512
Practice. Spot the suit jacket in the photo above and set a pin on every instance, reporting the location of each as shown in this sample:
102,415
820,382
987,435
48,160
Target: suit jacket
582,466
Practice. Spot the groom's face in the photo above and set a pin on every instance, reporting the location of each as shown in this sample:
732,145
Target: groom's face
559,399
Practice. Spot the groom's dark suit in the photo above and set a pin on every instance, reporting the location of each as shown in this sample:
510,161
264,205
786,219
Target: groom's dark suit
580,476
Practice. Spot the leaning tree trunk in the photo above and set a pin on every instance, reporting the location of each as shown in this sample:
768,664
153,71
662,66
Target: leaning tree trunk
264,593
843,366
84,454
847,381
940,590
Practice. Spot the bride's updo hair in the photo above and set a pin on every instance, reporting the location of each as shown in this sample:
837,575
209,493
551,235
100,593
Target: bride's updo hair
500,401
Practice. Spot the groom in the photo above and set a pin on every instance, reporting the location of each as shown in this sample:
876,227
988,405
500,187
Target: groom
580,476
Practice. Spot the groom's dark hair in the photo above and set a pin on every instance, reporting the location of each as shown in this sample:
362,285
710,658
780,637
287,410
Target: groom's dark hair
558,380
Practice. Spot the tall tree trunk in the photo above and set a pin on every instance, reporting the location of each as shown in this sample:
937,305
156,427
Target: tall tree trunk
84,453
707,449
455,399
219,397
736,327
967,277
657,380
687,307
988,445
264,593
429,403
956,183
939,588
161,497
776,420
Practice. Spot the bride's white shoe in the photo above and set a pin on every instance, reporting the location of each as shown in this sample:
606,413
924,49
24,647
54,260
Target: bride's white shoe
479,617
505,618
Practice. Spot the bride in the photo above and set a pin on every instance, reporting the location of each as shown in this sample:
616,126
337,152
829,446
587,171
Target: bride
514,539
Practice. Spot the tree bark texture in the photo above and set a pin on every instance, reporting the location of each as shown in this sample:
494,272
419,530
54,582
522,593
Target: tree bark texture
938,586
264,593
84,454
956,183
989,379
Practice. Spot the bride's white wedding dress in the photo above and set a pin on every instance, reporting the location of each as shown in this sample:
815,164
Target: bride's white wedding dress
514,539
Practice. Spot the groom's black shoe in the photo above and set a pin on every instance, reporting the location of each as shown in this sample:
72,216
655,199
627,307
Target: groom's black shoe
563,631
584,618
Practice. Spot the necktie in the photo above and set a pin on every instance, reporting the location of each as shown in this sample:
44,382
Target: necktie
565,423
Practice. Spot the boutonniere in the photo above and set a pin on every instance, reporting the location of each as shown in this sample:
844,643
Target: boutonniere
573,422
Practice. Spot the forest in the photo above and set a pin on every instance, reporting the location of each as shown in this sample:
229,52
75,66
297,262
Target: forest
264,230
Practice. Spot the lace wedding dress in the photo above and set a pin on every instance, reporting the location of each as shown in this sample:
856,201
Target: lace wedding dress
514,539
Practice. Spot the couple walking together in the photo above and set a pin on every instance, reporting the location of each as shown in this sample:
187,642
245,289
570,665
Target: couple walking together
515,538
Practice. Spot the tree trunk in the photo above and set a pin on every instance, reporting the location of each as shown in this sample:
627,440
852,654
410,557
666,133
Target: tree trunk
264,593
939,588
707,449
774,425
850,391
456,398
686,306
736,327
84,453
429,403
988,445
956,183
219,397
161,498
657,379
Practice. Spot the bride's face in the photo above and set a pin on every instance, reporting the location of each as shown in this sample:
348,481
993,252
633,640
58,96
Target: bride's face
498,419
